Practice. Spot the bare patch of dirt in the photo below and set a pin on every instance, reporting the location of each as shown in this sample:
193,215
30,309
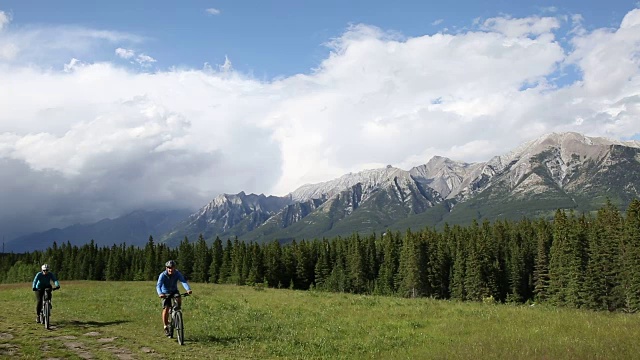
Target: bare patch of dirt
65,337
147,350
106,340
9,349
5,336
120,353
92,333
79,349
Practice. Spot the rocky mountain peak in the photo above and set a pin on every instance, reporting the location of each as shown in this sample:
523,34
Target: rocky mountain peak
368,178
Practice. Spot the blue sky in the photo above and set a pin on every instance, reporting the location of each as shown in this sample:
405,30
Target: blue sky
109,107
279,38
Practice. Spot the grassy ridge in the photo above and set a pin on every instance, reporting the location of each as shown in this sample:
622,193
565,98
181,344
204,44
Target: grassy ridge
225,321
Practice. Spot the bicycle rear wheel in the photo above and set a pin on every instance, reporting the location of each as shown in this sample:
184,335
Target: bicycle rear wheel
179,327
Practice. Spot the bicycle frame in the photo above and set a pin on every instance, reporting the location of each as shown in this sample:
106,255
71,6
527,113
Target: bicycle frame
46,307
175,318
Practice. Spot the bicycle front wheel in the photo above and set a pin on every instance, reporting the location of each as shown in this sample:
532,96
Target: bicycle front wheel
45,314
179,326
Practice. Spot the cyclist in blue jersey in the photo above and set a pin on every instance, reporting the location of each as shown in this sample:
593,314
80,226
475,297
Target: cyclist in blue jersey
41,283
168,285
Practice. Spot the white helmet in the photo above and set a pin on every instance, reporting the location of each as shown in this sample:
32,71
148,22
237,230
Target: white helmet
45,267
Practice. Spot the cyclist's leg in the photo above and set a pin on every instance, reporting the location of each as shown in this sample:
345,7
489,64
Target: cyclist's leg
166,304
39,295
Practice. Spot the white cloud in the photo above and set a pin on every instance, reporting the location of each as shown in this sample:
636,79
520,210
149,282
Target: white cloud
125,53
514,28
226,67
437,22
212,11
109,139
8,52
145,60
141,59
71,65
54,45
5,19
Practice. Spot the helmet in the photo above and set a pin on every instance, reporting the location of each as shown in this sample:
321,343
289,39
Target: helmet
45,267
170,263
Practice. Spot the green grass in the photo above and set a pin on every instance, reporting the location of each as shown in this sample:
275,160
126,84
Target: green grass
230,322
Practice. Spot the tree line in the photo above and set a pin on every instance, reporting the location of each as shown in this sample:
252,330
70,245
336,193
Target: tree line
587,261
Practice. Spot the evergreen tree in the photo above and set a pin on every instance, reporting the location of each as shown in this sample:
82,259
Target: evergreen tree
475,283
357,266
227,263
558,267
322,268
390,262
150,266
202,260
458,274
630,264
274,267
115,264
217,254
304,265
541,273
408,277
441,264
289,264
516,269
237,262
185,258
256,272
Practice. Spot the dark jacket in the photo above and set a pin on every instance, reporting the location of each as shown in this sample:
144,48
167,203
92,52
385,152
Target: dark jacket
42,281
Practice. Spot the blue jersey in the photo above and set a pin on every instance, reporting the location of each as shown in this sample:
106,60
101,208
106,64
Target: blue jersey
42,281
168,284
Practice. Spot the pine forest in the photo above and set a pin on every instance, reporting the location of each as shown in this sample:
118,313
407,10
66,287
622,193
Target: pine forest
589,261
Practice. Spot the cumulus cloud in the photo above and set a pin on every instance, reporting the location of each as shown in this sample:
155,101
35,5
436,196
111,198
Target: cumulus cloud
212,11
125,53
145,60
141,59
5,19
100,139
55,45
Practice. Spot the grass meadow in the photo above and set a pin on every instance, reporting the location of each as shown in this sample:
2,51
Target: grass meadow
121,320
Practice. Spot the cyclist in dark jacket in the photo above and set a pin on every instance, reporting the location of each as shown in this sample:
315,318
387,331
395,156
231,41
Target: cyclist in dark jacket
168,285
41,283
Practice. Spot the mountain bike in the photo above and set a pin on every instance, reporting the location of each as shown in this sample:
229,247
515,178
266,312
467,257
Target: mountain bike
45,313
175,318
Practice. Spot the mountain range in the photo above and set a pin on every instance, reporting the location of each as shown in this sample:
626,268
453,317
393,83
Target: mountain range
555,171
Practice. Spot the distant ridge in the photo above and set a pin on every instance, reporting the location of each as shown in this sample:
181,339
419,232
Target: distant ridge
555,171
558,170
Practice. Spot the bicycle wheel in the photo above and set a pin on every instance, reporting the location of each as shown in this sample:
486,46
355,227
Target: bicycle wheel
45,314
179,327
171,326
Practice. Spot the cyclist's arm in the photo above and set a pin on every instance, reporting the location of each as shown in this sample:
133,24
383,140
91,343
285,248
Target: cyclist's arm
159,284
184,282
35,281
55,280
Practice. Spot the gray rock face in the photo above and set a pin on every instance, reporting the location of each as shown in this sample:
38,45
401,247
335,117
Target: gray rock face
553,171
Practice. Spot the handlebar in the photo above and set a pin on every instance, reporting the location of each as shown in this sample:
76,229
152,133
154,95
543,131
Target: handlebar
169,296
